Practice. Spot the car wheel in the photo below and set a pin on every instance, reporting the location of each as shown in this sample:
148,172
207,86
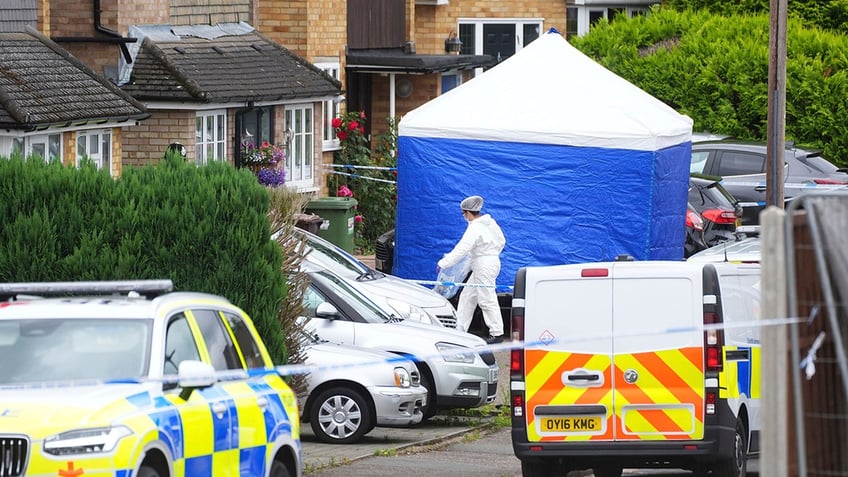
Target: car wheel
429,409
539,468
607,471
278,469
147,471
735,466
340,416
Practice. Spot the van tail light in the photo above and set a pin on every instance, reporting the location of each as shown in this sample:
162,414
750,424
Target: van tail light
710,401
694,221
713,342
829,182
516,355
720,216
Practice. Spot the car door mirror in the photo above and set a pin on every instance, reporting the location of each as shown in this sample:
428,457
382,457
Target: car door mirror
326,310
195,374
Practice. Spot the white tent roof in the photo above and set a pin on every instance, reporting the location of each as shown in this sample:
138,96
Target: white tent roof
550,93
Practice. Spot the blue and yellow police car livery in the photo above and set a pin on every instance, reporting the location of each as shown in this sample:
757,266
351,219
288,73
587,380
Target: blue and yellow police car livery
144,383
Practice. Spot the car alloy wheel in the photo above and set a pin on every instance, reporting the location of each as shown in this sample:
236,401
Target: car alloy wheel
340,416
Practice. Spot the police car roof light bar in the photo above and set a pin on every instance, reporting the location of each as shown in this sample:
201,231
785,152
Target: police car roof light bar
149,288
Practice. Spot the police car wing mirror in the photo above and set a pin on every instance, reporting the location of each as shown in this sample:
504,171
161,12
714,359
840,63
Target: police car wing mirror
326,310
193,375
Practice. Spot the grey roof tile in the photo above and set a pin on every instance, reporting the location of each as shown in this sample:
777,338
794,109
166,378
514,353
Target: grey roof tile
41,84
235,67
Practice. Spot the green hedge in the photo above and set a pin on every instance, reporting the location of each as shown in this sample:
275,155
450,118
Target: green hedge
205,228
715,70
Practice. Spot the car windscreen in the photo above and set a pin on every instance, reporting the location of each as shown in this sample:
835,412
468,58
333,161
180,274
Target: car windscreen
333,258
57,349
366,308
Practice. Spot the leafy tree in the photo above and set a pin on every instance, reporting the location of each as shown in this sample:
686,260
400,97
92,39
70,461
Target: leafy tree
827,14
714,69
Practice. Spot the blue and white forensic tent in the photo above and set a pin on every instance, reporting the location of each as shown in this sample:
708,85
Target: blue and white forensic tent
575,163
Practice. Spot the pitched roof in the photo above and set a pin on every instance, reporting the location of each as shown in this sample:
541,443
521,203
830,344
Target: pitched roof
219,64
42,85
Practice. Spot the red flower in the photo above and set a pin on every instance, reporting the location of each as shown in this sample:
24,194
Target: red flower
342,135
337,122
353,125
357,219
361,130
265,144
362,115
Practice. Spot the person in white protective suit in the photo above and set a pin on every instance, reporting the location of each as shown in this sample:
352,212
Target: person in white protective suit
483,240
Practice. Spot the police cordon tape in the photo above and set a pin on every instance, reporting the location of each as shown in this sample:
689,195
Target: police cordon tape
808,363
330,170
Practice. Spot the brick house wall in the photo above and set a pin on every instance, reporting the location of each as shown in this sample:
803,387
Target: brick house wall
146,143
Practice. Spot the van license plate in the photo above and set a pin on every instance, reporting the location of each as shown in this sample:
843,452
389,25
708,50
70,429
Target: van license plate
493,375
571,424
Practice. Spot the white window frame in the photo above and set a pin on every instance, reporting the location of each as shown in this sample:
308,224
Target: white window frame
102,156
583,11
332,109
519,29
300,146
217,138
45,140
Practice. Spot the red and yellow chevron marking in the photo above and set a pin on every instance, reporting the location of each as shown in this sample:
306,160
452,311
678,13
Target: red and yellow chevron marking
665,402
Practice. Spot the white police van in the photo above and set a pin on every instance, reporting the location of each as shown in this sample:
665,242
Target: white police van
636,365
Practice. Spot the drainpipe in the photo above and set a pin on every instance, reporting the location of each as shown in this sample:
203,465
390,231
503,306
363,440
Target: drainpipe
113,36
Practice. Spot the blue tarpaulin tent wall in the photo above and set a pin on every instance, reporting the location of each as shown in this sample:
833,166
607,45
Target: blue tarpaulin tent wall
575,163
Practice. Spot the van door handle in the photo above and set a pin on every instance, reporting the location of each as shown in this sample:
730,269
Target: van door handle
583,378
760,188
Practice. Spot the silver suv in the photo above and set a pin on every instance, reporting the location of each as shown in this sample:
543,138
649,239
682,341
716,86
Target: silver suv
455,367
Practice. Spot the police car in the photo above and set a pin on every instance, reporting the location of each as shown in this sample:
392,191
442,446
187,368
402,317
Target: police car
125,378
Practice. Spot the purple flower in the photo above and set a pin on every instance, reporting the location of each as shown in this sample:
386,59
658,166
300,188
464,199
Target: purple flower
271,177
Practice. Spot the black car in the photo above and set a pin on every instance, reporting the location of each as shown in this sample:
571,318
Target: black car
742,167
720,211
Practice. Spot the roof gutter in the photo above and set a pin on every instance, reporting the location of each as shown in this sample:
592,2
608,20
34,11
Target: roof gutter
114,37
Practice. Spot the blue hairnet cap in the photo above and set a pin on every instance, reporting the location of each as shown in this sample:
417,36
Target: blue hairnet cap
473,203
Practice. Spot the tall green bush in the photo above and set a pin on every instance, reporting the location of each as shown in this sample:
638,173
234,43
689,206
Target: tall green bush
715,70
206,228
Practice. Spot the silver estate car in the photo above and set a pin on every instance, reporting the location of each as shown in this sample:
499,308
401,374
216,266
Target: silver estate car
351,390
455,367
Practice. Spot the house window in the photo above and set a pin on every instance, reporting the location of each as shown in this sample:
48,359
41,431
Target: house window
300,151
96,146
48,146
332,110
570,23
209,135
450,81
500,38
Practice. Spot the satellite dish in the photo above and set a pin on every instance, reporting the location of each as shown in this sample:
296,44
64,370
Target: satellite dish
403,88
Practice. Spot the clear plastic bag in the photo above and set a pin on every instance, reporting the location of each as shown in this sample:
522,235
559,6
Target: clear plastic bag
449,276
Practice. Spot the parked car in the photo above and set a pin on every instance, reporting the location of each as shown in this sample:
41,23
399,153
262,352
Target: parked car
719,210
395,295
742,167
455,367
746,250
352,389
694,240
122,378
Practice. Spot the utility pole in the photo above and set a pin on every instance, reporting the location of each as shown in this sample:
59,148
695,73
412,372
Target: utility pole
776,141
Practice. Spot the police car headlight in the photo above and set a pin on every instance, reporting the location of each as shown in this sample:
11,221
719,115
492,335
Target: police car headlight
408,311
455,354
85,441
402,379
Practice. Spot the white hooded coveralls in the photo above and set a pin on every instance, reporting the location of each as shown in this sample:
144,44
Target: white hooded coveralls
483,240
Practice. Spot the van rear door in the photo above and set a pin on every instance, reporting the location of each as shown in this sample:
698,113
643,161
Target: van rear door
658,354
568,353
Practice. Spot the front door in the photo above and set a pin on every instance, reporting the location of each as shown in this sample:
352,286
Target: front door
499,40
